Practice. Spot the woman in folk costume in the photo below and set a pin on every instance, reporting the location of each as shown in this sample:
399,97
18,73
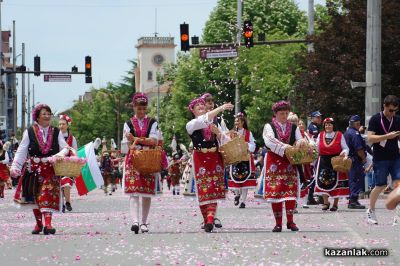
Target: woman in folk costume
304,170
67,182
209,106
281,178
207,162
38,185
4,172
141,132
175,173
242,176
188,174
330,183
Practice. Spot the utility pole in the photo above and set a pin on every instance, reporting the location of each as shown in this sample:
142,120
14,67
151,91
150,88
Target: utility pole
238,39
14,90
33,98
4,100
310,46
29,100
373,93
23,105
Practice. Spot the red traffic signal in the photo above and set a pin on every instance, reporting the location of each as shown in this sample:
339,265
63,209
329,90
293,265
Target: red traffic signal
248,33
185,46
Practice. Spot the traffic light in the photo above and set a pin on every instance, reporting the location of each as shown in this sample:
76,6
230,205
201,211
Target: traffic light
185,46
36,64
74,69
88,69
248,33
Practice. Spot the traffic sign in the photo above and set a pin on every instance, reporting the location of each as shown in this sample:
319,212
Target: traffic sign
57,78
208,53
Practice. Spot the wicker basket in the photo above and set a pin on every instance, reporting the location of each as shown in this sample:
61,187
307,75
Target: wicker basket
68,168
340,164
146,161
302,155
234,151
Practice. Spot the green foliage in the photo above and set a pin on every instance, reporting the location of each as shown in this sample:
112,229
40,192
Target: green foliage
264,72
105,113
323,82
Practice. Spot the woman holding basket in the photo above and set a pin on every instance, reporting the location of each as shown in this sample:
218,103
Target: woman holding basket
281,177
39,187
67,182
207,162
329,183
242,176
141,133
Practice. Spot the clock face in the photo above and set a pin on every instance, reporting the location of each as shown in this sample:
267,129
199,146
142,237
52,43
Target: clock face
158,59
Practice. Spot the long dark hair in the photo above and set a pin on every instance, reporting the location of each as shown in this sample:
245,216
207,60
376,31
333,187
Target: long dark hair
243,119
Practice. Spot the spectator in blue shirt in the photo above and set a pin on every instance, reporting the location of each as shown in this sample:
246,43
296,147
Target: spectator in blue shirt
358,155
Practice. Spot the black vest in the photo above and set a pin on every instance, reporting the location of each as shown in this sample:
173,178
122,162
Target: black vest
200,143
3,156
34,150
292,138
132,128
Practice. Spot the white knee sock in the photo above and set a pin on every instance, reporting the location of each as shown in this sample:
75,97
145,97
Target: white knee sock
134,208
243,194
146,202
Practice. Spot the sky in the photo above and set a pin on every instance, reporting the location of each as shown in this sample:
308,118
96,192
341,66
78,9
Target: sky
63,32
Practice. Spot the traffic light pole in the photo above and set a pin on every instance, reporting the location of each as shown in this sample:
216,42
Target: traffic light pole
238,39
229,44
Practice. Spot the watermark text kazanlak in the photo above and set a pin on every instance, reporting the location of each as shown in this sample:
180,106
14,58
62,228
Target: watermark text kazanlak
355,252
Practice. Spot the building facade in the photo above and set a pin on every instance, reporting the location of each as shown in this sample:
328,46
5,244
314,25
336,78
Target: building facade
152,53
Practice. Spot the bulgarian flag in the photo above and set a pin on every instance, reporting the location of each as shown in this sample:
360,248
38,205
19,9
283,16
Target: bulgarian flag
90,177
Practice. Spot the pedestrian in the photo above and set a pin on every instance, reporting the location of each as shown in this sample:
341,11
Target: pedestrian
313,131
67,182
209,106
141,132
38,185
4,172
305,171
313,127
175,173
188,174
207,161
358,156
281,178
329,183
384,132
242,176
106,167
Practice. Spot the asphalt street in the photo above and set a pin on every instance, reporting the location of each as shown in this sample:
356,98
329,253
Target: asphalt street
97,232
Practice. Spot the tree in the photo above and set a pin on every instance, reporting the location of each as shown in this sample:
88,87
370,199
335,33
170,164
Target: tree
106,112
340,52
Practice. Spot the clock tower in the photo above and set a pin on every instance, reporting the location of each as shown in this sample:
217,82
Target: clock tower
152,53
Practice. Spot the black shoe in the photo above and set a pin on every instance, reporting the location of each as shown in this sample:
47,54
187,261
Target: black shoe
292,226
173,192
355,205
144,228
217,223
277,228
63,208
334,208
236,200
208,228
202,225
325,207
68,206
242,205
37,230
312,202
47,231
135,228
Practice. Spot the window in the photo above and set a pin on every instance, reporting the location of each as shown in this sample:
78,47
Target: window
149,75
